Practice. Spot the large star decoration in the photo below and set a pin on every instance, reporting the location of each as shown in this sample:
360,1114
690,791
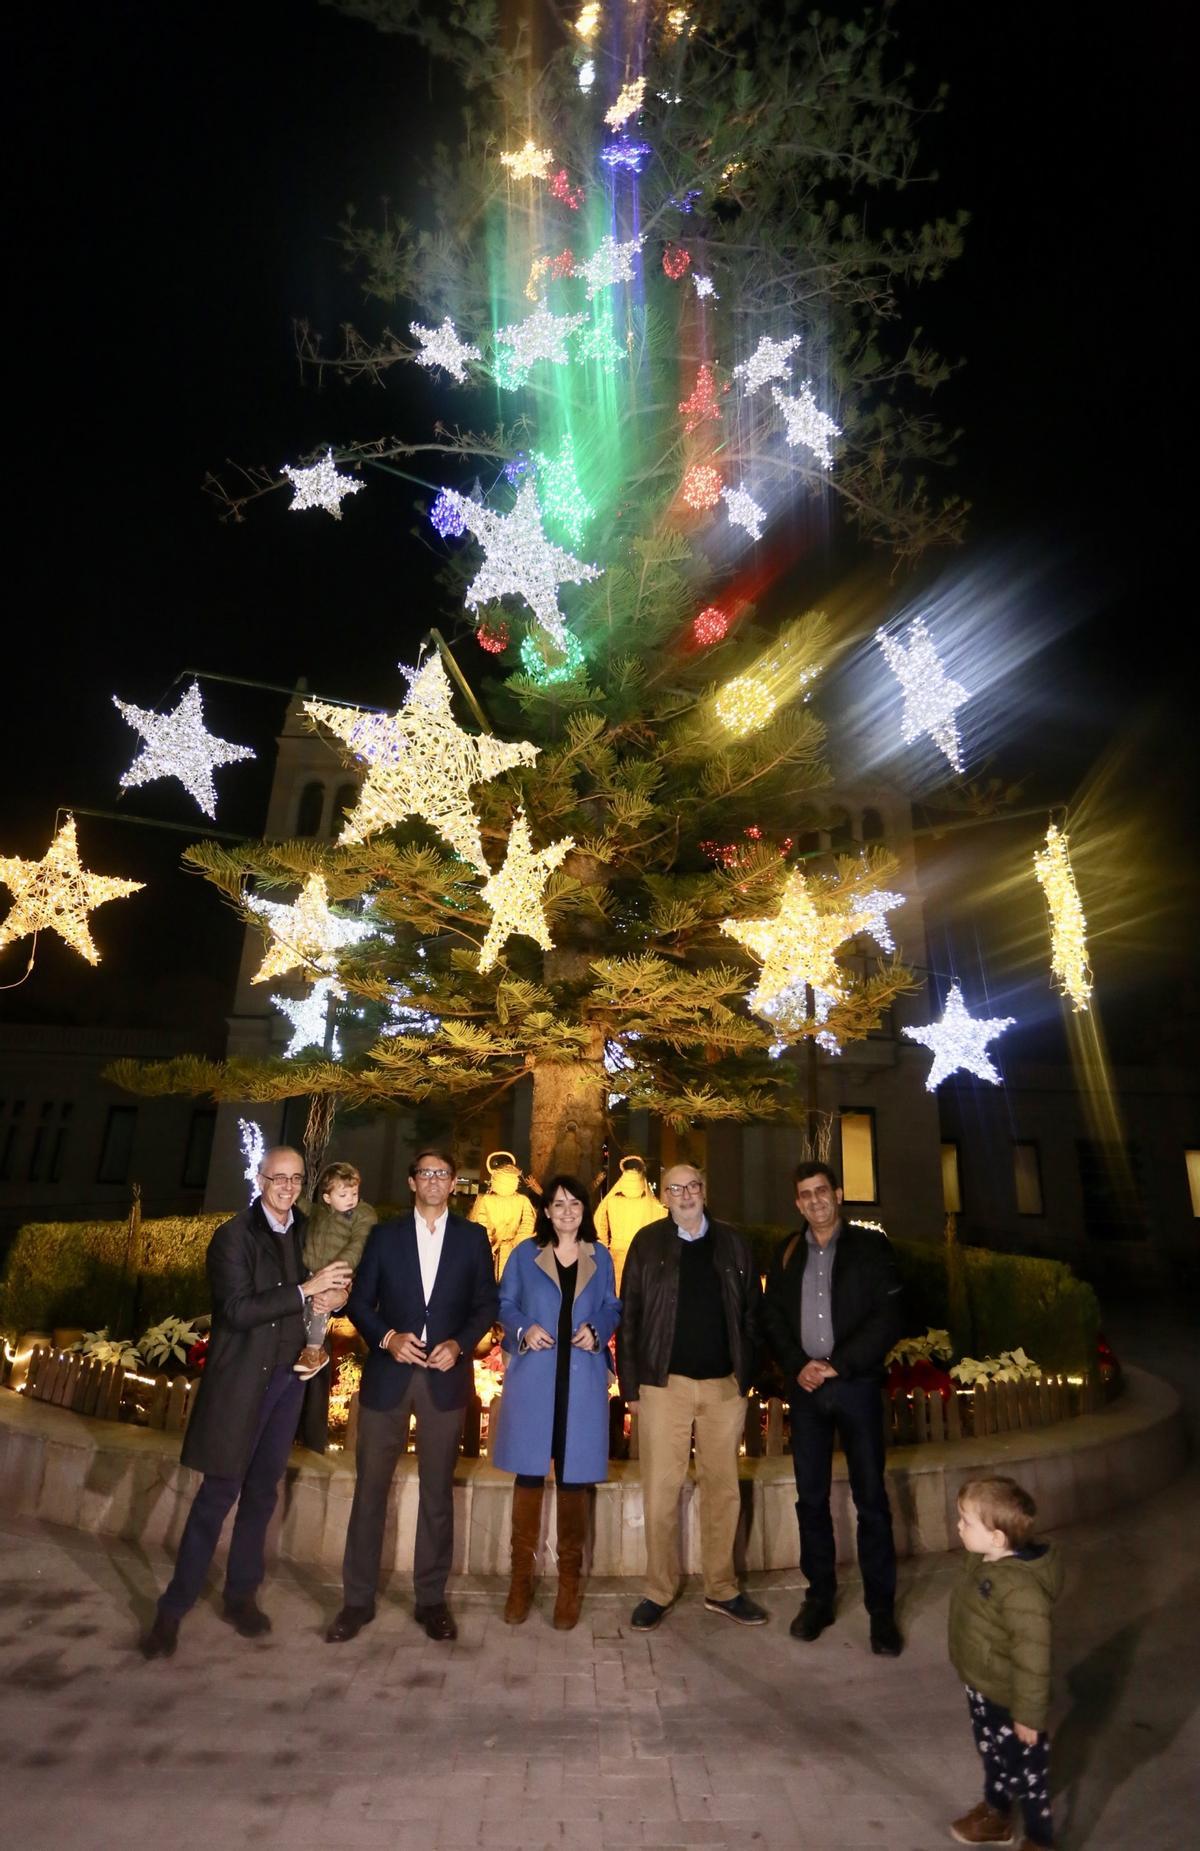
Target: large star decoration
796,948
421,762
806,424
931,699
521,562
770,360
872,909
57,893
514,892
611,263
177,746
320,487
960,1041
442,347
541,336
305,935
309,1017
744,511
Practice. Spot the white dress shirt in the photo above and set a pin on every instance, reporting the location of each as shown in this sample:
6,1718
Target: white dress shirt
429,1252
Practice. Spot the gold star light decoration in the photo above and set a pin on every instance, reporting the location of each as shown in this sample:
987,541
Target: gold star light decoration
421,763
515,892
57,894
1068,927
306,935
797,949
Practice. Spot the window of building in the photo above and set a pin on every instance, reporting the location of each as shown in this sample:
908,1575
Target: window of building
12,1133
59,1145
1111,1187
117,1148
310,810
39,1150
951,1180
199,1148
1027,1177
1193,1176
858,1156
872,826
345,799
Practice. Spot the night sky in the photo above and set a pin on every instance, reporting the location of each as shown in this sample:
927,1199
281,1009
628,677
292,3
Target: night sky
181,171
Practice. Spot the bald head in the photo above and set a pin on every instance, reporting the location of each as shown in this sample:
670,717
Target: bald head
683,1195
280,1179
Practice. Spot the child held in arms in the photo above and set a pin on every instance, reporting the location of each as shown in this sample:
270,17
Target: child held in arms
337,1230
1000,1646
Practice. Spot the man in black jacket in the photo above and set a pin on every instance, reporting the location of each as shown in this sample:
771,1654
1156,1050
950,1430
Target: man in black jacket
832,1313
247,1404
690,1298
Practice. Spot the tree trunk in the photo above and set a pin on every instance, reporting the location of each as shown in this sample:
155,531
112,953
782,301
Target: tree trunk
568,1119
322,1110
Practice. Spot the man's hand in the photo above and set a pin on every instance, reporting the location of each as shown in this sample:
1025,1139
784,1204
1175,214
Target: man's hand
445,1355
813,1374
1024,1733
335,1277
403,1347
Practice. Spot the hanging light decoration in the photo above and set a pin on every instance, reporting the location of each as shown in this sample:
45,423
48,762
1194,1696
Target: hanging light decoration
703,404
701,487
959,1041
442,347
177,746
446,516
770,360
320,487
807,425
1068,927
310,1017
57,893
493,637
520,561
745,705
710,625
515,891
931,699
562,190
563,664
306,935
625,156
629,100
529,162
744,511
676,261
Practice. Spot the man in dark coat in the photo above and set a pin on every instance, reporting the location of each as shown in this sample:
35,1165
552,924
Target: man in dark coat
832,1313
248,1400
424,1294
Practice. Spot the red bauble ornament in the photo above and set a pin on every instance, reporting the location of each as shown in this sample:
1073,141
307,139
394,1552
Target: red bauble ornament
493,637
676,261
701,487
710,626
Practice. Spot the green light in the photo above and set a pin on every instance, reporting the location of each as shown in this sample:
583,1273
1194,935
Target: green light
563,500
564,668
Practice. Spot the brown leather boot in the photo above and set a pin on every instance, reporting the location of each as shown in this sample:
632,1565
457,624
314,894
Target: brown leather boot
526,1528
572,1534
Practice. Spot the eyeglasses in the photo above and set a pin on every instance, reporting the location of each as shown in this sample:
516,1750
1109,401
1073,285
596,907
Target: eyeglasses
288,1182
682,1188
432,1176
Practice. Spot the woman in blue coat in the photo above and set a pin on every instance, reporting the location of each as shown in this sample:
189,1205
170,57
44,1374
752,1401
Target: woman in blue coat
559,1307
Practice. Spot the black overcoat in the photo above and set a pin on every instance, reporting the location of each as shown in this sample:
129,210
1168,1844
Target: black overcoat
251,1301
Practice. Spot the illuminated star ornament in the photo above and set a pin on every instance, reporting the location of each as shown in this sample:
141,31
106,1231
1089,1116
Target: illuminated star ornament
701,487
305,935
528,163
521,562
625,156
931,699
541,336
309,1017
959,1041
705,288
806,424
562,499
57,893
612,263
770,360
320,487
744,511
703,403
421,762
1068,927
796,948
177,746
629,100
515,892
872,909
442,347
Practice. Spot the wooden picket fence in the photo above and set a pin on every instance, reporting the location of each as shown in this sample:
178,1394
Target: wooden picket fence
67,1379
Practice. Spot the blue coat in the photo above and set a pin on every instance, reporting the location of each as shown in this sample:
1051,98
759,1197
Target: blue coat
523,1432
387,1295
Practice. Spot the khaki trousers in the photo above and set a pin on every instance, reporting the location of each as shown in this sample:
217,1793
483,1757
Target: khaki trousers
666,1417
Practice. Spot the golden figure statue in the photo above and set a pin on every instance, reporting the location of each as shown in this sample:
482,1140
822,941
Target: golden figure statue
629,1205
507,1216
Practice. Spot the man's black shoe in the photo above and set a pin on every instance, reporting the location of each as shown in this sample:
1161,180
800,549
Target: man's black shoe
163,1637
886,1641
646,1615
437,1620
247,1616
811,1621
348,1624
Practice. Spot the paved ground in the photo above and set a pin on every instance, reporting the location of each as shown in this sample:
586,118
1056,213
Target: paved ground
700,1734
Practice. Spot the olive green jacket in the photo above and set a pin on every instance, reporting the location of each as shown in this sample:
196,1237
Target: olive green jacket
333,1236
1000,1629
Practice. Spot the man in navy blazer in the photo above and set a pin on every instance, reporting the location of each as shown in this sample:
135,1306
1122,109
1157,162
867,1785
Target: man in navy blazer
423,1295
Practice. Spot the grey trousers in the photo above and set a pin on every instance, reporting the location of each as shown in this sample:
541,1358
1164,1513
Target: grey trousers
382,1438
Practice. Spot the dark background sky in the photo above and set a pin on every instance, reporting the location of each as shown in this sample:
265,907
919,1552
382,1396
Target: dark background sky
182,170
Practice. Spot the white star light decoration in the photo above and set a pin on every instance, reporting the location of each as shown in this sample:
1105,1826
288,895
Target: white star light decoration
612,263
177,746
521,562
309,1017
705,288
872,908
421,762
960,1041
320,487
770,360
744,511
306,935
931,699
442,347
541,336
629,100
57,893
806,424
254,1149
529,162
514,893
1068,927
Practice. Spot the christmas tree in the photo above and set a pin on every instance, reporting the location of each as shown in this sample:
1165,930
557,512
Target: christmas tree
663,338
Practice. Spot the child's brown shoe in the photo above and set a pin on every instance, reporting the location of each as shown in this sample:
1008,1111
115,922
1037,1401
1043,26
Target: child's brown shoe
983,1825
311,1361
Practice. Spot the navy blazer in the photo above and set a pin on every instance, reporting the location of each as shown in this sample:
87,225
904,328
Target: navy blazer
387,1295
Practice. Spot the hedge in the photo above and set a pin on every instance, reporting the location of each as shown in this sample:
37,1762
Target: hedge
73,1273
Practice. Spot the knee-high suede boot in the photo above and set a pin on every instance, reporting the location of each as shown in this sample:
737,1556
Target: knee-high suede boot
572,1533
526,1528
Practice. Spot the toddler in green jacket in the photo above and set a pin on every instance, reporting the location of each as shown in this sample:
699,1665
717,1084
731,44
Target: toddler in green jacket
337,1229
1000,1646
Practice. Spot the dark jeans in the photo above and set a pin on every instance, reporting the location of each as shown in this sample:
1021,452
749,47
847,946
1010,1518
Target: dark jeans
255,1494
313,1431
1011,1771
382,1439
852,1409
